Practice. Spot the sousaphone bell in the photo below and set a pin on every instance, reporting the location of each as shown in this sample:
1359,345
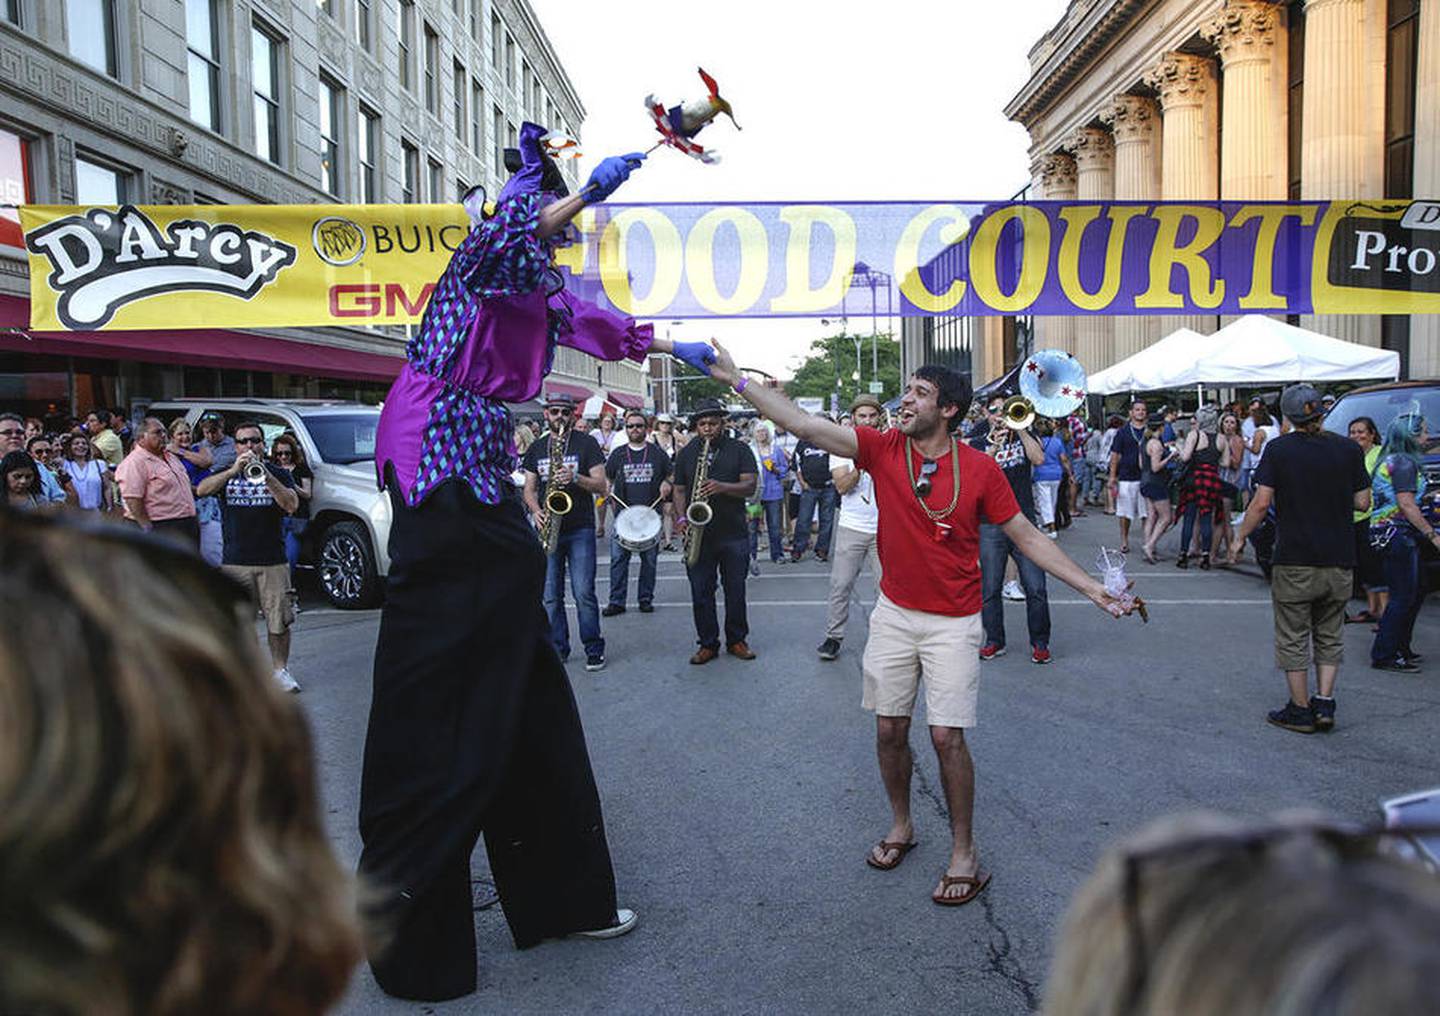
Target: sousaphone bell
1052,383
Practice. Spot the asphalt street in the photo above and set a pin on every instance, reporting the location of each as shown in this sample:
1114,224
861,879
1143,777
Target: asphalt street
741,797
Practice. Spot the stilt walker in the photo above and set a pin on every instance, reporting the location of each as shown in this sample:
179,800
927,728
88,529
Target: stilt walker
473,728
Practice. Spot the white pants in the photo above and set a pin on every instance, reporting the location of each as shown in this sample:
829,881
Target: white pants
1046,491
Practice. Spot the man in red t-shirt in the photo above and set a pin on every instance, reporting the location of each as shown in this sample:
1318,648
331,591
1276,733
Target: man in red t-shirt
932,492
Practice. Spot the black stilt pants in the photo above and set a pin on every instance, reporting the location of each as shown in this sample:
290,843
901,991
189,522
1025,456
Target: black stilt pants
473,728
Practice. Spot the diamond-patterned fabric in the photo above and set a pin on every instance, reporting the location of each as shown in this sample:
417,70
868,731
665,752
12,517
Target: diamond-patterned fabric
469,436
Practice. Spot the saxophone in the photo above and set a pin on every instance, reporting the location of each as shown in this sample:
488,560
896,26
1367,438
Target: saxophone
698,512
556,501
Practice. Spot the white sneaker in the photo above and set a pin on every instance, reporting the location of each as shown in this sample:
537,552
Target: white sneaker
625,921
1012,591
288,683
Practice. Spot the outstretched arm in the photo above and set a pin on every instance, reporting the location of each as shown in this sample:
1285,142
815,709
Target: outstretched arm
774,405
1046,553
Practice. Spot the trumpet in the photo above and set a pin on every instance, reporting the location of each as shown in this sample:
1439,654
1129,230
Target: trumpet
1019,412
255,471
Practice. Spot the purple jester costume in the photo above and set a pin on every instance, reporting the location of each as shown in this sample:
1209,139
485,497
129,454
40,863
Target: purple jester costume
473,727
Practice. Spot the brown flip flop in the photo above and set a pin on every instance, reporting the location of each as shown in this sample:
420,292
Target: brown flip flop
885,847
976,884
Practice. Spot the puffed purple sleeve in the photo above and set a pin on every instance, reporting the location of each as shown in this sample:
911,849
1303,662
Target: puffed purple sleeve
601,333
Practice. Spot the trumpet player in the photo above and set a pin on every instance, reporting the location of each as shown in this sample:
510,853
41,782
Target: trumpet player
726,478
580,466
255,497
1017,453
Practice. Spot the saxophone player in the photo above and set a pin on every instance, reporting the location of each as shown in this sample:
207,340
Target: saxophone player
581,474
726,477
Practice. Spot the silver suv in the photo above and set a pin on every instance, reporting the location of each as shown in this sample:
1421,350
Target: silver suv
349,531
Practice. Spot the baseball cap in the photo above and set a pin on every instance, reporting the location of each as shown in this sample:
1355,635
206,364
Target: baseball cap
1300,403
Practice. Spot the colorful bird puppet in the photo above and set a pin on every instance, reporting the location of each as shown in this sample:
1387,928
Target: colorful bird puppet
678,125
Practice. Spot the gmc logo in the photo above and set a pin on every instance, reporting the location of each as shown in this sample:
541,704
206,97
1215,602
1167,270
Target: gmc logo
372,299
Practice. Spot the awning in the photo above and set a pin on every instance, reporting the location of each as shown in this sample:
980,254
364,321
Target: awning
199,347
626,400
578,392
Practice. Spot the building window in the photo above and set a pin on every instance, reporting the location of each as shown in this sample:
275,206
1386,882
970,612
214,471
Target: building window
475,19
461,189
98,184
202,40
512,138
326,7
436,181
509,60
90,25
525,90
496,118
368,143
432,70
459,78
1401,37
477,117
265,57
495,31
549,114
405,31
364,25
14,187
409,172
12,13
332,113
1296,43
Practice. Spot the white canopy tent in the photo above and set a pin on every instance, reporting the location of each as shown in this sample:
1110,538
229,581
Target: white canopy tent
1249,350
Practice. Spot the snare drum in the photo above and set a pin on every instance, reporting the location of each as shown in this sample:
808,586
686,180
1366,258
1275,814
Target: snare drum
638,528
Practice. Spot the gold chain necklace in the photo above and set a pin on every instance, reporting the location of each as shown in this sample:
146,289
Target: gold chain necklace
935,516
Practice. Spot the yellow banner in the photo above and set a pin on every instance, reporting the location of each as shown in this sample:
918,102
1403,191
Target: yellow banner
236,266
259,266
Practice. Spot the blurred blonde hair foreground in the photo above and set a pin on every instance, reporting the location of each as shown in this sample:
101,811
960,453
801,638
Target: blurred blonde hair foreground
161,848
1211,916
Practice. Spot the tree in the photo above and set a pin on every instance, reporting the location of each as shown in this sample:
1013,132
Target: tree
833,356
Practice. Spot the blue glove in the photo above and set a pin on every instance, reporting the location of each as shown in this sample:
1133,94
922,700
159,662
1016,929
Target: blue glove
699,355
610,174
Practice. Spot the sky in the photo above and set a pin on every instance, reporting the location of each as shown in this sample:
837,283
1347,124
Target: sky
838,102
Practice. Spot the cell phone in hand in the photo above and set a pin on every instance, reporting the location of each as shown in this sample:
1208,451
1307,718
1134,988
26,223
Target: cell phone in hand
1411,811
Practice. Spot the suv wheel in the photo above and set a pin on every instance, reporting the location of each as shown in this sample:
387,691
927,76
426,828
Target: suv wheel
347,566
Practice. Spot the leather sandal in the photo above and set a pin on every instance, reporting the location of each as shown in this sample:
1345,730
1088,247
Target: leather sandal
975,885
884,846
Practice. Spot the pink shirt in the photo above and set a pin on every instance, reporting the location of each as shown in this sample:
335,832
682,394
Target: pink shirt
159,481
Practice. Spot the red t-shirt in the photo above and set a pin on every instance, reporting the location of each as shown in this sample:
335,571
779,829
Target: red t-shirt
919,571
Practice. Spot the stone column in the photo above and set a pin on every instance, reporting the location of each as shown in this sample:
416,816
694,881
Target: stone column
1342,154
1055,175
1425,328
1250,38
1135,122
1189,145
1095,182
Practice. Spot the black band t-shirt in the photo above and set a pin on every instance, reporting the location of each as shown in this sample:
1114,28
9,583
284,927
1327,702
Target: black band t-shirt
250,519
637,475
1016,466
814,465
582,453
1315,478
728,459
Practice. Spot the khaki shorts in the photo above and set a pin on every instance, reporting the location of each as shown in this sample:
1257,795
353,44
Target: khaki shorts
1309,605
1128,502
908,644
269,586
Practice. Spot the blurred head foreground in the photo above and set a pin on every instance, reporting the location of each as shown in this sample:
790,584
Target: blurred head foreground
1209,916
161,849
